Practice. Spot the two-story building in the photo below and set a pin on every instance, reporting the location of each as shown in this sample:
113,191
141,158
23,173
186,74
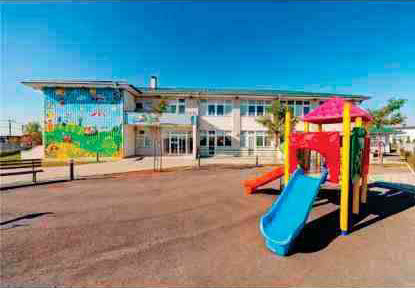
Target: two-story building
117,119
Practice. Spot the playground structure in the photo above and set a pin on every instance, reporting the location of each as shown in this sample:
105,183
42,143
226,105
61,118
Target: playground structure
346,162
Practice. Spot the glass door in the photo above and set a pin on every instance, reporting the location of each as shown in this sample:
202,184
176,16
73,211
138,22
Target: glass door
182,143
173,144
251,142
211,143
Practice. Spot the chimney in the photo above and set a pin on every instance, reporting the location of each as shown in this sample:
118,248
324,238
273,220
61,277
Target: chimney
153,82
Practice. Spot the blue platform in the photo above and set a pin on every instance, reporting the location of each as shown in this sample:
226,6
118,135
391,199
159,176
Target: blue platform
285,219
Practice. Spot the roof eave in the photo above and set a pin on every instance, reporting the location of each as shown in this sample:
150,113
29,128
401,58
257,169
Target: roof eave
40,84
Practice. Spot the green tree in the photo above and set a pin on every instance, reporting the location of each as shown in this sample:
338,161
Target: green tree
159,108
387,115
34,130
274,121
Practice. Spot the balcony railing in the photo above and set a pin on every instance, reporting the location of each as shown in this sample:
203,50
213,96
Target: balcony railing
138,118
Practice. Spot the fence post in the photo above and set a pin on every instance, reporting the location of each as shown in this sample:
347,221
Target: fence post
71,170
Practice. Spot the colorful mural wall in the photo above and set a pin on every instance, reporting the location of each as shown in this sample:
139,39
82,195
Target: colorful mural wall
81,122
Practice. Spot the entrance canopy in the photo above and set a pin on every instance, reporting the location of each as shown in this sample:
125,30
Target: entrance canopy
331,111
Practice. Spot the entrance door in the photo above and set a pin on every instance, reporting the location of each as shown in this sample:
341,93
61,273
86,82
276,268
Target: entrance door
174,144
251,142
211,143
182,143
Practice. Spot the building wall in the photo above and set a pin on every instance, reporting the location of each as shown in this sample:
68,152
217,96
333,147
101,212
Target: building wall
129,101
129,140
81,122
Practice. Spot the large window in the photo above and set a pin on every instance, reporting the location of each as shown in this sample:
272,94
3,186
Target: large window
262,139
298,107
176,106
203,138
215,107
255,107
222,138
243,139
144,140
144,106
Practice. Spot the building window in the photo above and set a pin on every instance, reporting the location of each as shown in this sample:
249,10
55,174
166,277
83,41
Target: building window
144,140
243,108
306,107
262,139
203,107
220,108
228,107
260,108
223,139
211,109
182,106
291,105
176,106
203,138
252,108
243,139
268,107
216,107
314,104
220,138
255,107
144,106
298,111
228,139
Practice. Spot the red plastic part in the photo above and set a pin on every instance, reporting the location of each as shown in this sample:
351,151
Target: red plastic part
366,157
326,143
253,184
331,111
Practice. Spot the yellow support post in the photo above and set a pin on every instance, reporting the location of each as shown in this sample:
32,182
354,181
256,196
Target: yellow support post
307,153
287,133
356,185
344,197
364,178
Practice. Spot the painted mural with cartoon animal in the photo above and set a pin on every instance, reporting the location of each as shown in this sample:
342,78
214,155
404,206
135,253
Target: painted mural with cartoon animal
81,122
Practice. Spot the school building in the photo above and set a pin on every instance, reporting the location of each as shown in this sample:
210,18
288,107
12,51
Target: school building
115,118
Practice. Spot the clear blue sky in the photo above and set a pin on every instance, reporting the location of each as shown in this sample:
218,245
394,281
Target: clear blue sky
357,48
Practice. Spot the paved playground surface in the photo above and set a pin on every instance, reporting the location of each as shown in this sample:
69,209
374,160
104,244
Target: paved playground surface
195,228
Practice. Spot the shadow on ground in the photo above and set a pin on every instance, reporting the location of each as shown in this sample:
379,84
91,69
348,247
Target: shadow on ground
13,223
319,233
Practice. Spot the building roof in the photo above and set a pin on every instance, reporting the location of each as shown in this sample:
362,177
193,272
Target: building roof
331,111
196,92
39,84
245,92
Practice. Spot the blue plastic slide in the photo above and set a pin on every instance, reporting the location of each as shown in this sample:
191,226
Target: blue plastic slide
282,223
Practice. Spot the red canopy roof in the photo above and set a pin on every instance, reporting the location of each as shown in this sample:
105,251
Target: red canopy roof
331,111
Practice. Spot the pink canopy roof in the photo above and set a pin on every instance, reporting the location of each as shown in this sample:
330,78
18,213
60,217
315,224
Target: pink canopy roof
331,111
